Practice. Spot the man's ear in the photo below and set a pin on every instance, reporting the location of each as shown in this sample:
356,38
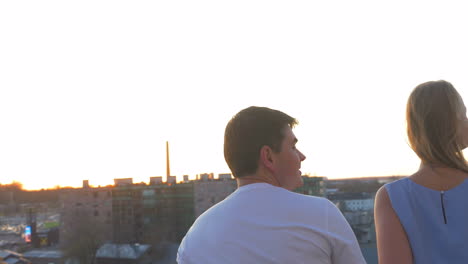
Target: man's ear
266,158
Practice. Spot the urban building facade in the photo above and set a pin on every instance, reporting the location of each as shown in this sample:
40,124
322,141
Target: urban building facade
86,209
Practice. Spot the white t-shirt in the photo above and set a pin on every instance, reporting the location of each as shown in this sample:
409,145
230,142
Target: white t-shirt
261,223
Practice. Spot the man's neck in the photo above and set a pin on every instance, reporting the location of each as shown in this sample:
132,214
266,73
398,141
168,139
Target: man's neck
258,177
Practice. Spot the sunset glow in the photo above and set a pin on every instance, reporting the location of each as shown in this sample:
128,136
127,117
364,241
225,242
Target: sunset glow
92,90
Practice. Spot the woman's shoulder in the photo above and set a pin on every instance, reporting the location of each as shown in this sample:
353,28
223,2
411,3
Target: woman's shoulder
400,183
392,190
381,197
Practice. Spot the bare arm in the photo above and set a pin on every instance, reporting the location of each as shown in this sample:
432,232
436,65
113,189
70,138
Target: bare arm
392,242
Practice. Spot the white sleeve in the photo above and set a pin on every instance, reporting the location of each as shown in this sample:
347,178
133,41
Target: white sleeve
345,248
181,258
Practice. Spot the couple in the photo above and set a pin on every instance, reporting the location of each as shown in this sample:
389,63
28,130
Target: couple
419,219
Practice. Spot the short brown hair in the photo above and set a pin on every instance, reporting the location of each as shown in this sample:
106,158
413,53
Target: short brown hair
433,115
248,131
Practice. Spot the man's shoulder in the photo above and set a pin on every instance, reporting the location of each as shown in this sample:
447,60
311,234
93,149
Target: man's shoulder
309,199
220,210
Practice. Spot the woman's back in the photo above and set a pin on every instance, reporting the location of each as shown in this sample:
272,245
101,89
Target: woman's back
435,222
424,218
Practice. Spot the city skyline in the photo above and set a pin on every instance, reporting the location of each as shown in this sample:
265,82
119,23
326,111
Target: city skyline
93,90
85,182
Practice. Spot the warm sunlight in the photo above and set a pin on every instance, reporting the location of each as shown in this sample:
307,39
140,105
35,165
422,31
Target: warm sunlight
93,89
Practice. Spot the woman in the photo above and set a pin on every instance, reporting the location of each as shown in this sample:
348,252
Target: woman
423,218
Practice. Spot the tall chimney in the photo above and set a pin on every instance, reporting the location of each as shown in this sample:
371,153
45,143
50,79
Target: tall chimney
168,167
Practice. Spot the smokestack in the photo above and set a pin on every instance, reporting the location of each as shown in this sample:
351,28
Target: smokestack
168,167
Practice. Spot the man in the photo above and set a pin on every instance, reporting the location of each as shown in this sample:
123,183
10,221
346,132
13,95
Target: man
263,221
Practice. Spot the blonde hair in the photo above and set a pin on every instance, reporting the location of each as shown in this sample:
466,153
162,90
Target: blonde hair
433,116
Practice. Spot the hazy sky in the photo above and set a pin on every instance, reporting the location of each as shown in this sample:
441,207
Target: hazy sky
93,89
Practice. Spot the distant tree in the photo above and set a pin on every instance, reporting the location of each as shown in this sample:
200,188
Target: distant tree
14,186
17,185
83,238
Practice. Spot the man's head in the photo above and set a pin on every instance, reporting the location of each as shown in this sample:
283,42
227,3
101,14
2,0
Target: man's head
262,137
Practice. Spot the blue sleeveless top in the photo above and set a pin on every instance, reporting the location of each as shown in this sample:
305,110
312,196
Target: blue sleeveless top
435,222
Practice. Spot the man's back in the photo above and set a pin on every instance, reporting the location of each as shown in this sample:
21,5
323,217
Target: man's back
261,223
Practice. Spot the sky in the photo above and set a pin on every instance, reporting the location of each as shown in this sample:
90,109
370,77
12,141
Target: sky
92,90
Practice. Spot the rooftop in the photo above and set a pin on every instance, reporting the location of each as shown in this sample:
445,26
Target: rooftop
122,251
43,254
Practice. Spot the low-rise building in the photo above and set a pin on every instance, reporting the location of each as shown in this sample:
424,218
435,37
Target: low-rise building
225,176
45,256
313,185
7,257
123,254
